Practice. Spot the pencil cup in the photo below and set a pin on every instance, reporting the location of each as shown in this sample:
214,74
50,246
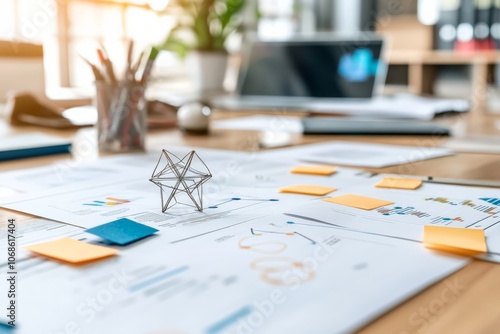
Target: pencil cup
121,125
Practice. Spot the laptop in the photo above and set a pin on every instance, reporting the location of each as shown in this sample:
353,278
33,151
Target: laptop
300,71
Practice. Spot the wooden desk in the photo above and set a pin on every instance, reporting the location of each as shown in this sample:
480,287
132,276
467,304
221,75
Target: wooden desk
467,301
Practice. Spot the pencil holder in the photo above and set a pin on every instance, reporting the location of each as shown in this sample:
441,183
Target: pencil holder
121,124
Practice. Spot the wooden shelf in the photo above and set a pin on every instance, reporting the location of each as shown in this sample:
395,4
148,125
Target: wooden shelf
435,57
422,70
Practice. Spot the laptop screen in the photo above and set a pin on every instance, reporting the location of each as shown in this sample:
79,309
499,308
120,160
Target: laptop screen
319,69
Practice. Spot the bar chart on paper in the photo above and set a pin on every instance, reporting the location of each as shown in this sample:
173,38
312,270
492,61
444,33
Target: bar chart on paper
494,201
109,201
471,204
473,213
411,211
417,209
403,211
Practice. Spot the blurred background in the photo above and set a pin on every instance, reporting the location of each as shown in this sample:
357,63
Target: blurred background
435,46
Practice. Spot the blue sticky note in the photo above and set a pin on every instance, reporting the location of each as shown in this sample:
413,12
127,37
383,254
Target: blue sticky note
122,231
4,328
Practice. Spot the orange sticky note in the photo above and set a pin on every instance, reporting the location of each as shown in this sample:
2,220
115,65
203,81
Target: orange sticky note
464,241
398,183
72,251
307,190
359,202
314,170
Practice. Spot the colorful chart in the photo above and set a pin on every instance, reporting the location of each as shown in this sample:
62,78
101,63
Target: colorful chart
110,201
491,210
272,265
446,220
404,211
494,201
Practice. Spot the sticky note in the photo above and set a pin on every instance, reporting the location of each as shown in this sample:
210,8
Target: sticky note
122,231
359,202
72,251
314,170
399,183
305,189
464,241
4,328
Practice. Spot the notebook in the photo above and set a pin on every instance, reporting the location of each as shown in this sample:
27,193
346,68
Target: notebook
359,126
31,145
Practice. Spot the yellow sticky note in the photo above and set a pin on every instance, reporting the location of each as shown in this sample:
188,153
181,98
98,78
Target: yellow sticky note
398,183
464,241
72,251
314,170
307,190
359,202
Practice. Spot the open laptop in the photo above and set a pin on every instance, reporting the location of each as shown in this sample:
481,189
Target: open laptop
297,72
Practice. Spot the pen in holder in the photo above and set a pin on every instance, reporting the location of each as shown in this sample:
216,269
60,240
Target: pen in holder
121,105
121,124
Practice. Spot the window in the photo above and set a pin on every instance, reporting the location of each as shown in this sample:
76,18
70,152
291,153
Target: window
111,24
276,19
70,28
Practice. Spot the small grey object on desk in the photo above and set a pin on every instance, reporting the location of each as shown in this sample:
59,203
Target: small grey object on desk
194,117
184,178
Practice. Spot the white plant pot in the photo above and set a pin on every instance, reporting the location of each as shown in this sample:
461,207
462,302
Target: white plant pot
207,70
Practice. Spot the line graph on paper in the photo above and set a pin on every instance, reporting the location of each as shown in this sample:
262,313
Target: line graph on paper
238,199
272,262
224,207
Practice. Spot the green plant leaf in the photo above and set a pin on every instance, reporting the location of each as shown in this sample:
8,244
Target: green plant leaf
177,46
232,7
209,26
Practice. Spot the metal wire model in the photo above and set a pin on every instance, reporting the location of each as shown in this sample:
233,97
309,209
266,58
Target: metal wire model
180,180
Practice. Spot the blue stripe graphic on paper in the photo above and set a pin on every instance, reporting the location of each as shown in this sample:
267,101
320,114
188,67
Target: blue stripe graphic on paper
494,201
158,278
229,320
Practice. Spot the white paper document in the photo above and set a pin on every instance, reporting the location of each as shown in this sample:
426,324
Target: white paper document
265,276
241,190
404,106
273,123
32,230
255,260
432,204
357,154
71,172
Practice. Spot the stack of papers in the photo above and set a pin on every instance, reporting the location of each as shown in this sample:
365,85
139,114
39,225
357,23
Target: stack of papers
404,106
267,239
357,154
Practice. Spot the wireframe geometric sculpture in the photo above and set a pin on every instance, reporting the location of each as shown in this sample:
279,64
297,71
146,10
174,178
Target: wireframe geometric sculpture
182,178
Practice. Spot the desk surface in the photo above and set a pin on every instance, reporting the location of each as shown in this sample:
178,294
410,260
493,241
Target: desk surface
465,302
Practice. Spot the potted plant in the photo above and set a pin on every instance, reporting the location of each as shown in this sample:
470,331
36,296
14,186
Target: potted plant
200,36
